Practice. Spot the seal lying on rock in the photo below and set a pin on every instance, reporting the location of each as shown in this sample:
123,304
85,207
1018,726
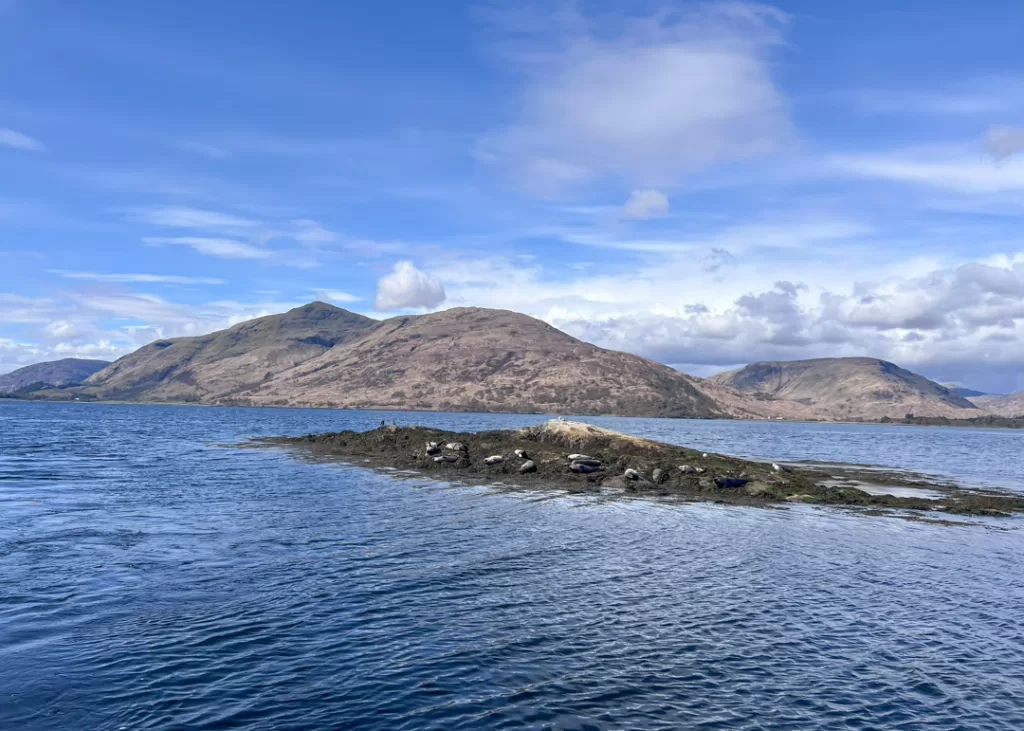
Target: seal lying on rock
455,446
446,458
521,454
494,459
584,468
527,466
730,481
631,474
581,458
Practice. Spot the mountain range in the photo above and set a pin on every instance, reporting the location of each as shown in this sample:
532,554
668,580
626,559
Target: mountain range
850,388
52,374
474,359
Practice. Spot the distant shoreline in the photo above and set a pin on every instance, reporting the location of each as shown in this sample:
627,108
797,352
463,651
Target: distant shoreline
989,421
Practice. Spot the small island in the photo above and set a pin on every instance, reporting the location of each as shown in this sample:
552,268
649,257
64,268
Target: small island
575,456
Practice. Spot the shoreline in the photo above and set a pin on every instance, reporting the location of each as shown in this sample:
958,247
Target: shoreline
974,423
624,464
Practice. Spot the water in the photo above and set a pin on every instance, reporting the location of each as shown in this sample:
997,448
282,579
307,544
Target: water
153,579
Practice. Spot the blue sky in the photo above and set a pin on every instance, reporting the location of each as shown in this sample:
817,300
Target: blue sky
702,183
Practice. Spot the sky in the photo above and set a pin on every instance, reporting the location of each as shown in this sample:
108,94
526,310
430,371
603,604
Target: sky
702,183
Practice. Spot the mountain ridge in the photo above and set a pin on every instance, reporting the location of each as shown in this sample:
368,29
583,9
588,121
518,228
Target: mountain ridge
849,388
478,359
53,374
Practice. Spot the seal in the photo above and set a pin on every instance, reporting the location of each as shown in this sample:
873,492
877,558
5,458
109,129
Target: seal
731,481
446,458
583,468
631,474
527,466
455,446
580,458
521,454
494,459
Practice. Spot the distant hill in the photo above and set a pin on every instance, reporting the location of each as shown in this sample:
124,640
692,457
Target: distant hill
54,373
210,367
849,388
481,359
1009,405
967,393
459,359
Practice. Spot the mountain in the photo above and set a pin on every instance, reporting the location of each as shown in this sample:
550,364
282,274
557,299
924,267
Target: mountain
1009,405
967,393
55,373
480,359
210,367
849,388
459,359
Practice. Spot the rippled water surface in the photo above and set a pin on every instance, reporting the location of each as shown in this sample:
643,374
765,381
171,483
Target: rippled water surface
153,578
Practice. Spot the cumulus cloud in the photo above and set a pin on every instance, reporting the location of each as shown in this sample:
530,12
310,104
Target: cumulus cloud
1003,141
19,141
644,96
646,204
406,287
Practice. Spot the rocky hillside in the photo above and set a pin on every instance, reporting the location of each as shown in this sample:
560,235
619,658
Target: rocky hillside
54,373
480,359
210,367
849,388
1009,405
460,359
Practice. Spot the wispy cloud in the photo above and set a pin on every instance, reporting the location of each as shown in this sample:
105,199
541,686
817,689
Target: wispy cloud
199,148
223,248
952,168
185,217
19,141
646,97
336,295
136,278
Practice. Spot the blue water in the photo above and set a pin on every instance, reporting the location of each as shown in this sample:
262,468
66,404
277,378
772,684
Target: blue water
153,578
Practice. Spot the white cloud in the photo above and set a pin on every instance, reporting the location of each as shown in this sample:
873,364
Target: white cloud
1003,141
646,204
136,278
406,287
311,232
19,141
336,295
949,168
198,148
223,248
645,97
185,217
